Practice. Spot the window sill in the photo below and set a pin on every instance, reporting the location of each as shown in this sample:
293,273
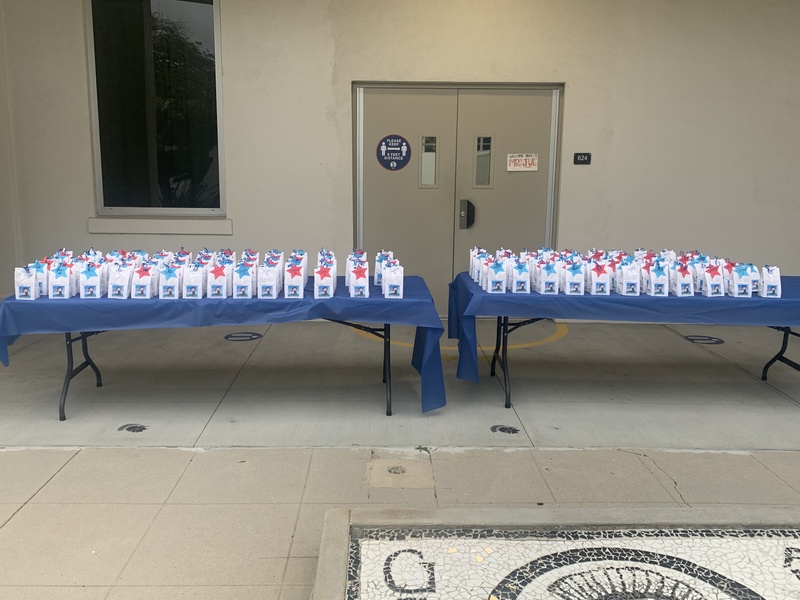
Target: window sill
161,226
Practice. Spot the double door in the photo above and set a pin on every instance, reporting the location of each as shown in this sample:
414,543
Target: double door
441,170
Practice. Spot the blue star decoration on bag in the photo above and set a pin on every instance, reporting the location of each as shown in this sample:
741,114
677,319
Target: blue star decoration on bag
169,272
90,270
575,268
521,268
38,266
60,271
549,268
497,268
658,270
742,270
243,270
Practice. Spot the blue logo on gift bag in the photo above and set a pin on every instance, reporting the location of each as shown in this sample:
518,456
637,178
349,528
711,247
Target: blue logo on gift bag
359,291
743,289
685,289
324,291
266,291
140,291
772,290
293,291
168,291
116,291
241,291
89,291
24,291
58,291
191,291
394,289
216,291
716,289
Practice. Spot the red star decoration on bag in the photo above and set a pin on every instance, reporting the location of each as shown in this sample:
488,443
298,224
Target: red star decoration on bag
218,271
597,255
360,272
649,256
713,270
728,267
324,272
599,269
683,270
646,267
295,270
143,271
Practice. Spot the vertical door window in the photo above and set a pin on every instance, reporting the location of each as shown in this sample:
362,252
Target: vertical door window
483,161
428,177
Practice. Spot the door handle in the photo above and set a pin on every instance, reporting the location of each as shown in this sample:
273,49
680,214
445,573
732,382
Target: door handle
466,214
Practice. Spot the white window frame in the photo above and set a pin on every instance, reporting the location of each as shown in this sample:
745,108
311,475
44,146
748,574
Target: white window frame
147,211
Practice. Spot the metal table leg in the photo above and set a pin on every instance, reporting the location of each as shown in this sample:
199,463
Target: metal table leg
72,372
385,334
500,355
779,357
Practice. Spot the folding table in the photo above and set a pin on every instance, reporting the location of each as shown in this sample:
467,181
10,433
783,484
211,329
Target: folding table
467,301
88,317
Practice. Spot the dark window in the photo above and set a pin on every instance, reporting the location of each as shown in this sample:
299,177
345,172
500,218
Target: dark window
157,103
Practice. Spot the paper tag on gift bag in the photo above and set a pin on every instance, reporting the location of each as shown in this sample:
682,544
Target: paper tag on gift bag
25,285
770,284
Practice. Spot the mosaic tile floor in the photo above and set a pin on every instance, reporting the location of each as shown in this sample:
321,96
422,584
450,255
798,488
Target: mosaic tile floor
574,564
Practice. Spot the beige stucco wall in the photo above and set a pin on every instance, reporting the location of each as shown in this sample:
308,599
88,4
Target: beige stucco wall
9,219
690,109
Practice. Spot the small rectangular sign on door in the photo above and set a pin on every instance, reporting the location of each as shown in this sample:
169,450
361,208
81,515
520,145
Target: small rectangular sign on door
522,162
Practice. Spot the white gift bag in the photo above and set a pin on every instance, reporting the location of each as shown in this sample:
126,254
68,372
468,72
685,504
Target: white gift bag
41,270
520,278
681,280
496,278
769,285
169,282
59,283
25,284
393,281
269,281
546,278
655,281
600,280
119,281
739,283
243,281
324,281
144,284
194,281
90,281
629,279
294,282
574,279
713,282
359,279
219,281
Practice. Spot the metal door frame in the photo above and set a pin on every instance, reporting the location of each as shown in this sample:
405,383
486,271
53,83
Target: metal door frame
553,171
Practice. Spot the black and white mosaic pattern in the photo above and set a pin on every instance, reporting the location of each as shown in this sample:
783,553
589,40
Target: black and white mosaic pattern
574,564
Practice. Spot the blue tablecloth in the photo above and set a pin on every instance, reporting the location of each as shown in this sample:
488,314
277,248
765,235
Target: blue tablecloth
468,300
18,317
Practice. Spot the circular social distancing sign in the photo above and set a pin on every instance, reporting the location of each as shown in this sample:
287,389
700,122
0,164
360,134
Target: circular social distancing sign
393,152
